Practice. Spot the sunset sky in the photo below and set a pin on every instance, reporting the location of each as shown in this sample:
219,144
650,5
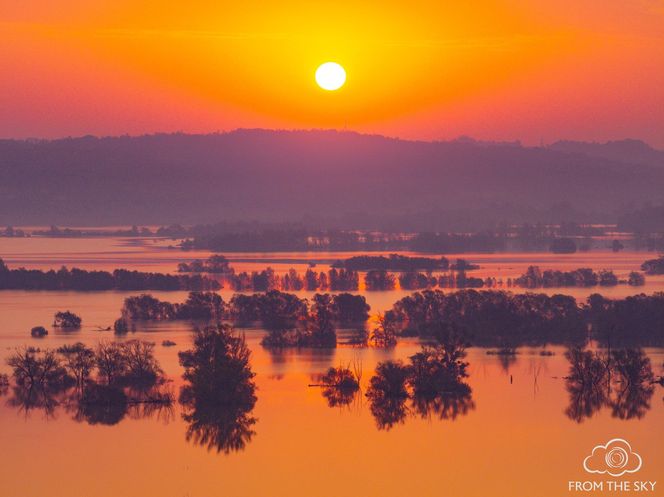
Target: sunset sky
491,69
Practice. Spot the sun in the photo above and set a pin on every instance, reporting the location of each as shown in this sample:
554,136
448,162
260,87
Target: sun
330,76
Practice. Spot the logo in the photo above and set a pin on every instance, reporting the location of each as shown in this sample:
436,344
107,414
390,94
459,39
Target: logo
615,458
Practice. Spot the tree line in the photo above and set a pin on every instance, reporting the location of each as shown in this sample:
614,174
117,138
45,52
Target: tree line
84,280
534,277
504,319
487,317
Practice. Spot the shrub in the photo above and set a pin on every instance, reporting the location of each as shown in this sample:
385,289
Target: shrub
654,266
340,385
389,381
67,319
342,378
121,326
38,332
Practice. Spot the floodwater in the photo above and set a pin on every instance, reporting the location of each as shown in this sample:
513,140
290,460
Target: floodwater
514,436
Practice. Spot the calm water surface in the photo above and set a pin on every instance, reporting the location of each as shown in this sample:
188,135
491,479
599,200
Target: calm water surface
513,437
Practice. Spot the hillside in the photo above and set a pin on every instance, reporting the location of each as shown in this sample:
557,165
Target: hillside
342,178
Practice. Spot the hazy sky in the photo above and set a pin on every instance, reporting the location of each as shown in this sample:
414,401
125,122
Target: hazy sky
531,70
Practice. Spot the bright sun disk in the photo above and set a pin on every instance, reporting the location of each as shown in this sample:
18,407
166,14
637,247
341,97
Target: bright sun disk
330,76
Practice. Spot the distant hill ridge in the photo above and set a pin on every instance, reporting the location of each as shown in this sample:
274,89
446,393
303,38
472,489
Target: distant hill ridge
628,151
345,178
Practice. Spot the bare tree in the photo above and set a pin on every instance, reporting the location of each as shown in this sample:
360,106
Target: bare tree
33,367
79,361
110,361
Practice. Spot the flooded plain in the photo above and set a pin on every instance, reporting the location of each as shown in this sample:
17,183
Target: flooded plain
521,431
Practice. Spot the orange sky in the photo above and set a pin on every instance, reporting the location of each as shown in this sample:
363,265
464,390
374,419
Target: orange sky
537,70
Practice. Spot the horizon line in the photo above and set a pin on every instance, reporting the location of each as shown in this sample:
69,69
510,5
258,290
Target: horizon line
459,139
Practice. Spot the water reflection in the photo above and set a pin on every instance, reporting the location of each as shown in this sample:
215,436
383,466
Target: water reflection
620,380
224,427
102,404
339,397
507,357
388,411
433,381
27,398
97,404
220,395
341,385
445,405
307,355
218,400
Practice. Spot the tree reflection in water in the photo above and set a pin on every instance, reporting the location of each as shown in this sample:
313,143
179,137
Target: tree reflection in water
28,398
340,385
218,401
433,381
98,404
223,427
340,397
389,411
390,408
4,384
445,405
621,380
388,394
102,404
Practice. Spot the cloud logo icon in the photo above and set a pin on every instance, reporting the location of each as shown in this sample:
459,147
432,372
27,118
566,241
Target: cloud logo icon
615,458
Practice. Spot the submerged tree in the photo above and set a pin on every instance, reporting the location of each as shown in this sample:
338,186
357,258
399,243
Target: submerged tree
340,385
110,361
121,326
384,334
290,324
79,361
378,279
320,325
128,373
141,365
387,394
38,332
433,381
67,320
40,380
349,308
34,368
220,393
440,367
